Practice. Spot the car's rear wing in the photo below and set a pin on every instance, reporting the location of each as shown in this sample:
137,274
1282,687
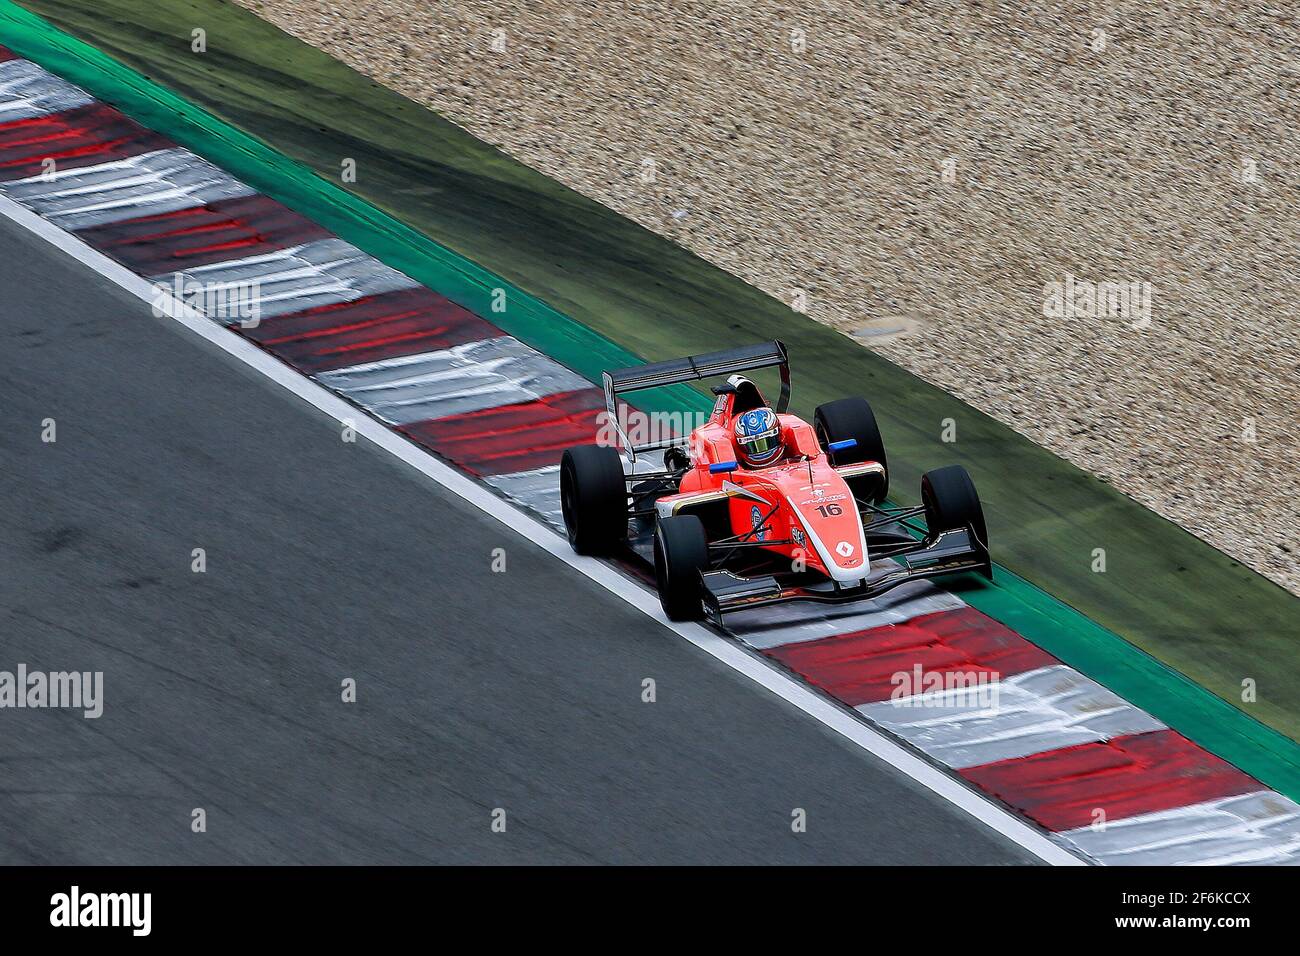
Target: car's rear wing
692,368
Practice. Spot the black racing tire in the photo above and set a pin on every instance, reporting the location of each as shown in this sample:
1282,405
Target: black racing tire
593,498
681,556
852,418
951,502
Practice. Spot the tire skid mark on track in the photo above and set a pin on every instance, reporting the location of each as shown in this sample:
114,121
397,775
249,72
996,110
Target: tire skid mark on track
455,384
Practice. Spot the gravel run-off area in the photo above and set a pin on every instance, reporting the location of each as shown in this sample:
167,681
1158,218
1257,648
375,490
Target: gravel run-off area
918,175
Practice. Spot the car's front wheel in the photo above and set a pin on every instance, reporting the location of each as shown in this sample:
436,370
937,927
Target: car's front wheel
681,558
951,502
593,498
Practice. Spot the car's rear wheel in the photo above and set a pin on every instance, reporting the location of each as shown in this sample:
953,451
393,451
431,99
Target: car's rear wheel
681,557
593,498
853,418
951,502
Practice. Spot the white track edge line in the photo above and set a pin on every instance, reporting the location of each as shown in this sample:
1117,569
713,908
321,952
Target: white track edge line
727,652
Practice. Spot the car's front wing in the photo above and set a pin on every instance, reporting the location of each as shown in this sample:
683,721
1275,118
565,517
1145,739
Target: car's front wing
950,552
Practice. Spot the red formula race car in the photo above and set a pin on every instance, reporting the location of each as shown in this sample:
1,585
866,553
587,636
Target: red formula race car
757,506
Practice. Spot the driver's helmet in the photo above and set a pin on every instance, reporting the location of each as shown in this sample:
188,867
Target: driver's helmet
758,437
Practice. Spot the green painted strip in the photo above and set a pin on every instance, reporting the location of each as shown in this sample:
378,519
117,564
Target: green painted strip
1068,634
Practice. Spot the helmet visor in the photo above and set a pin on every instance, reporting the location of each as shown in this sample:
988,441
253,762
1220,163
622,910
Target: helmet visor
760,445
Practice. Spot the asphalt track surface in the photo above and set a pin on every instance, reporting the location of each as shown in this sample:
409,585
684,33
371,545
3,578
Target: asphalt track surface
327,560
